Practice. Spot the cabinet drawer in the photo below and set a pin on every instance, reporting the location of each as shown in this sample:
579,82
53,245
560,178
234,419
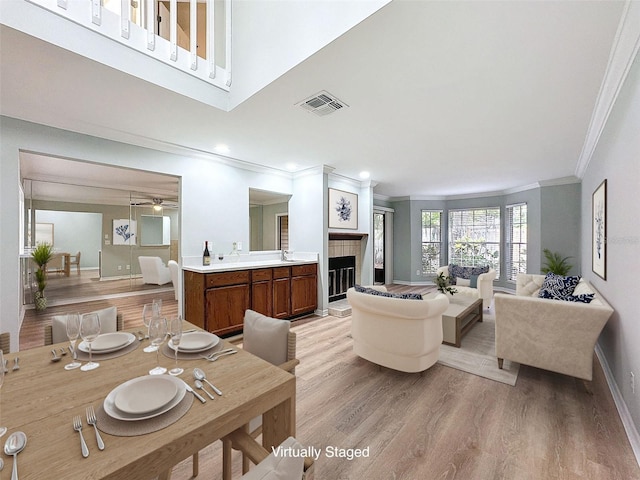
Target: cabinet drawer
281,272
299,270
227,278
261,275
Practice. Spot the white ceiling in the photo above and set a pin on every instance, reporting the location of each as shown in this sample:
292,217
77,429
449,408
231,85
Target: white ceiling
445,98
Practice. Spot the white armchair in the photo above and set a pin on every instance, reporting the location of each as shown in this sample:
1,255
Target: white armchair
154,271
397,333
484,287
174,270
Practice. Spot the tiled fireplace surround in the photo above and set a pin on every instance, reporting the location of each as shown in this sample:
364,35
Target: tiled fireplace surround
347,245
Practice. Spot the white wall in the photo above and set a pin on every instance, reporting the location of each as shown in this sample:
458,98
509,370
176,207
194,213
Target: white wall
214,197
617,159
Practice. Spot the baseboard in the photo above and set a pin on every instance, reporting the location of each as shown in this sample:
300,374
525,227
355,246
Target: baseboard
623,411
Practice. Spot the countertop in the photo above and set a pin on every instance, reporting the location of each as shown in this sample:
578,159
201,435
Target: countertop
230,266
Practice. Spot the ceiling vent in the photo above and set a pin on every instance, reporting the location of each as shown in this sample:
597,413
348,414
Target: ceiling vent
322,104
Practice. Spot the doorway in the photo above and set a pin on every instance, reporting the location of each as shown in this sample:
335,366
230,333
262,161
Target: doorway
378,248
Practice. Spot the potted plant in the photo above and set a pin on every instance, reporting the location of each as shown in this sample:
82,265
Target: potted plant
555,263
444,284
41,255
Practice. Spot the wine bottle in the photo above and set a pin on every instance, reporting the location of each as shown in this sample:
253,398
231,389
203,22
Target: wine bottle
206,257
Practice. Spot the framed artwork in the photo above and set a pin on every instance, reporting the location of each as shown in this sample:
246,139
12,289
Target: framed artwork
124,232
343,209
599,230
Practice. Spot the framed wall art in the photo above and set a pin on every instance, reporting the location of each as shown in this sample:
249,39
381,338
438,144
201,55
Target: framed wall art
599,230
124,232
343,209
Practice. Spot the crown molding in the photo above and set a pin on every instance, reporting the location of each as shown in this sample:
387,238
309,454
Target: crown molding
623,53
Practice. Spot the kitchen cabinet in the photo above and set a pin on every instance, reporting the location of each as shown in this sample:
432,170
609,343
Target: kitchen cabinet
217,301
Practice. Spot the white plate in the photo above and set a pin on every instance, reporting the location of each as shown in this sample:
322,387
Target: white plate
108,342
113,411
145,396
196,342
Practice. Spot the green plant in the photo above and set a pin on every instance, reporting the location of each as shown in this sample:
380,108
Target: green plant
444,284
42,255
555,263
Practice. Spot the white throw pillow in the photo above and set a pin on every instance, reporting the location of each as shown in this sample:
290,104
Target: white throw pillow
266,337
463,282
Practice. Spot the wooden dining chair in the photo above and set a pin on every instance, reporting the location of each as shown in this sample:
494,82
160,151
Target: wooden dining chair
110,321
75,260
271,340
5,342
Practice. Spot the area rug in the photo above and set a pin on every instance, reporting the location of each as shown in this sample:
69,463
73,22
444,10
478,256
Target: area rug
477,355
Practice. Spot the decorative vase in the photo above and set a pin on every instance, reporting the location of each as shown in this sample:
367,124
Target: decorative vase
40,301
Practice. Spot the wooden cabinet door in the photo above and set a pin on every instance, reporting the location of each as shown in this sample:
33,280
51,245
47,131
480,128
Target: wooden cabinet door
226,307
304,294
194,301
281,297
261,297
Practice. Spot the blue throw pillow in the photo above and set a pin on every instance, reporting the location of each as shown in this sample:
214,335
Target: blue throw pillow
473,281
456,271
558,287
379,293
583,298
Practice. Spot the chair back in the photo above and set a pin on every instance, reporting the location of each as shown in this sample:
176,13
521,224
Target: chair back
266,337
110,321
5,342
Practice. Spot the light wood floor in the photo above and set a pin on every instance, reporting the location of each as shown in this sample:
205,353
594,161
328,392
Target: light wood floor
444,424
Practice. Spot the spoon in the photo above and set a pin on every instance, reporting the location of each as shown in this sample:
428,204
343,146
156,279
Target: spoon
13,446
201,387
198,374
55,358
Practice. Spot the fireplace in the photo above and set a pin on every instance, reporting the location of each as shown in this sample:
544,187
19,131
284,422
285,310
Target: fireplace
342,276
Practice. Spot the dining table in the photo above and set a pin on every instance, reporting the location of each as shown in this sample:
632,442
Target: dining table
41,399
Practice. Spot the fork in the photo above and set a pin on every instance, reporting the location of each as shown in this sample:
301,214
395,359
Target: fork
91,420
77,426
15,364
220,354
215,354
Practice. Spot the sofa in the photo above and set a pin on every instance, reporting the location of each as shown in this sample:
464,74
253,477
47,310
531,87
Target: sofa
555,335
398,333
484,288
154,271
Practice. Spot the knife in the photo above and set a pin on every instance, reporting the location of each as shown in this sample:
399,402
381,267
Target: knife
197,395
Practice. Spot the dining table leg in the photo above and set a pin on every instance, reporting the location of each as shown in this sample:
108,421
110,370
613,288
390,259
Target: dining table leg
279,423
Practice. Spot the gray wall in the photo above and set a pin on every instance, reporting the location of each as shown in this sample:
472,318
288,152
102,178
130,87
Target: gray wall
617,159
552,223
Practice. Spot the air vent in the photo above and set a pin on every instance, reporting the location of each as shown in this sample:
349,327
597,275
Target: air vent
322,104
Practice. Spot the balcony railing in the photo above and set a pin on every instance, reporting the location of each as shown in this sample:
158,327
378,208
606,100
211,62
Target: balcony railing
191,35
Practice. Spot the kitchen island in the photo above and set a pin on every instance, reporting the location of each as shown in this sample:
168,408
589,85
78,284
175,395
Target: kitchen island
216,296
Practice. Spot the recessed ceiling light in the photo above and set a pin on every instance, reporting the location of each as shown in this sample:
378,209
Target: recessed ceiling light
364,175
222,148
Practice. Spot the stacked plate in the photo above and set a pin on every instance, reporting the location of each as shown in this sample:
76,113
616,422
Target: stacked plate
194,342
108,342
145,397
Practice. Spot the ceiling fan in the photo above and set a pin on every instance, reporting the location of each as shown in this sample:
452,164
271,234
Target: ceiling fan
156,203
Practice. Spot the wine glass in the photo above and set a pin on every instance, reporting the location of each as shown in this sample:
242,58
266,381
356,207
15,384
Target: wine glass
73,331
175,330
157,333
157,306
149,311
3,430
89,331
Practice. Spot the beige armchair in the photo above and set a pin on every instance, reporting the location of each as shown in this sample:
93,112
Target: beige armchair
174,270
397,333
555,335
110,321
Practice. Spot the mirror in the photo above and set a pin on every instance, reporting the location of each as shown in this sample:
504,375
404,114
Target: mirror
155,230
268,220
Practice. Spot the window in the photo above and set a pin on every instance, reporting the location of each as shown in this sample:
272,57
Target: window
474,237
516,226
431,240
